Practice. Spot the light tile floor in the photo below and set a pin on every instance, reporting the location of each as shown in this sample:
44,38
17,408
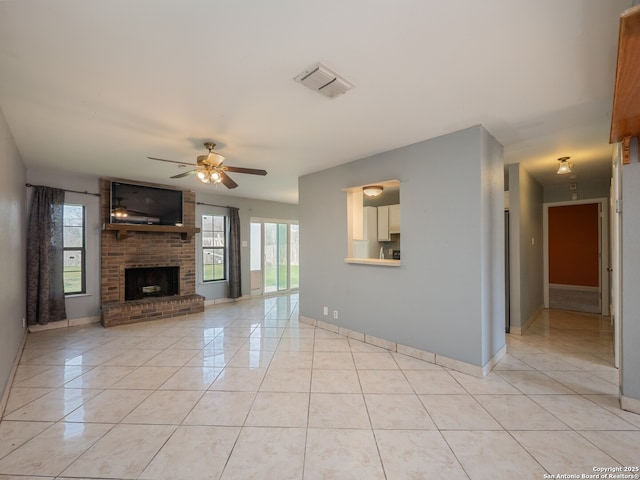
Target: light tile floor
245,391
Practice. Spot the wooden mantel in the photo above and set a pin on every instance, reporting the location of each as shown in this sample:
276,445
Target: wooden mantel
625,116
122,229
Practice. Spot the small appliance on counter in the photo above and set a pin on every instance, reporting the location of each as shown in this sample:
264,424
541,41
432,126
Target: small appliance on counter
396,255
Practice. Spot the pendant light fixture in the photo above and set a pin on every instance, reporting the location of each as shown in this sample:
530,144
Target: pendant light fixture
565,166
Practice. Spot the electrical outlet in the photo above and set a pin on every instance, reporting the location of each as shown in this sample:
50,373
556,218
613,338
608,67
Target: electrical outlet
390,252
335,314
325,311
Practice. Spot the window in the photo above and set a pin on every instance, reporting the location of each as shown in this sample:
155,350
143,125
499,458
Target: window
214,248
373,224
74,249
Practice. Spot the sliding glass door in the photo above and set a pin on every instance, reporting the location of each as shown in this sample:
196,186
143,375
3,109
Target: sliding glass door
277,244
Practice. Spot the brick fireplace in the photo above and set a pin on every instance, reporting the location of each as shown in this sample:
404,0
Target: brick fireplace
164,259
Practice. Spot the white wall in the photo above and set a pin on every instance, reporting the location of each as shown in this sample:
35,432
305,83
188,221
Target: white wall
448,295
12,252
248,208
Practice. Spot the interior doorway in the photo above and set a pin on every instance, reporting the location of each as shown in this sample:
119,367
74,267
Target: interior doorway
576,256
275,259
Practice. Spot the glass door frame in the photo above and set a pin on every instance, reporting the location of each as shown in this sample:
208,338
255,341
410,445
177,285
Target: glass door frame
278,223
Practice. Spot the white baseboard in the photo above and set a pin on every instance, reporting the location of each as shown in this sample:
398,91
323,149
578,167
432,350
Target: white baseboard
493,361
74,322
219,301
520,330
7,388
429,357
575,288
308,320
630,404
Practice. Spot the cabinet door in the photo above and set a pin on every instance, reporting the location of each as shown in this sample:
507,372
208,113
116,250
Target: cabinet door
370,224
383,224
394,218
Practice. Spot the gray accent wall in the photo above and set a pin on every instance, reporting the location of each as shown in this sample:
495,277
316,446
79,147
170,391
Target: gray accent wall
526,255
12,252
630,359
447,297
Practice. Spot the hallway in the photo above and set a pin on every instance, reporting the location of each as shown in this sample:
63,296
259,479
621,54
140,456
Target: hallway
245,391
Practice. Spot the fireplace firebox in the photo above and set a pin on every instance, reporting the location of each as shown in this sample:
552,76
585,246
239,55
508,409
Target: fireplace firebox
151,282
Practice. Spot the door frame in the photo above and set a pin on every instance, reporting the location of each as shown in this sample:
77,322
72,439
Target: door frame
615,210
603,247
261,221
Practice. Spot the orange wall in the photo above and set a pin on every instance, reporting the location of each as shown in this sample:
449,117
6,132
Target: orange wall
573,245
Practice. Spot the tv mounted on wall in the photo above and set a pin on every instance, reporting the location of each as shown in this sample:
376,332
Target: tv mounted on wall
144,205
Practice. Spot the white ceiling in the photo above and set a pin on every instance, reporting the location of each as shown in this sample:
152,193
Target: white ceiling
94,87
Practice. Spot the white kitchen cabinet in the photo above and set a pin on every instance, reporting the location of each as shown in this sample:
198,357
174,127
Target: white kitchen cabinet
383,224
394,218
369,223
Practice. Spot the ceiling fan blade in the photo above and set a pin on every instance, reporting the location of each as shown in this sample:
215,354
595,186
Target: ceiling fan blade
184,174
171,161
226,179
250,171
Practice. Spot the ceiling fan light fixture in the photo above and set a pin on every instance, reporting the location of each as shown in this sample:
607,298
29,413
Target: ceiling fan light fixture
372,190
210,169
203,175
213,158
215,177
120,212
564,167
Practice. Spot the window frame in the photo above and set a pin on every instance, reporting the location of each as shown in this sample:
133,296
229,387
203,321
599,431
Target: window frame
82,249
212,249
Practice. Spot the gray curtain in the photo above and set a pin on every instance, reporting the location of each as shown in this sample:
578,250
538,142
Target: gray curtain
235,280
45,257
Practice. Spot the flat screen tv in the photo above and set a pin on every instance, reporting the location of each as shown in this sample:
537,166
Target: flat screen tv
144,205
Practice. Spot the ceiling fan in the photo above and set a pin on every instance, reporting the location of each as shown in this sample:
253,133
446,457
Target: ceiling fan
210,168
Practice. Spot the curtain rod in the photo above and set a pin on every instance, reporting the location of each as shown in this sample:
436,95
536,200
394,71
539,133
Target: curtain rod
72,191
212,205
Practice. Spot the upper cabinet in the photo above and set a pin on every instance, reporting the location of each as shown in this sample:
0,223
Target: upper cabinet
383,224
388,221
394,218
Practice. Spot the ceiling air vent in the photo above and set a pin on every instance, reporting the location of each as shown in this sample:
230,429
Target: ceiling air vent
322,79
